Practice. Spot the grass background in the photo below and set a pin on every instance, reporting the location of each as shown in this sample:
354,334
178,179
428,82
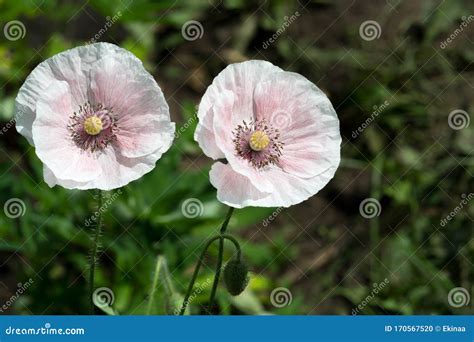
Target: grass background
322,251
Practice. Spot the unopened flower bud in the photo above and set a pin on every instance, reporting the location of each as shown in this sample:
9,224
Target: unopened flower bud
236,276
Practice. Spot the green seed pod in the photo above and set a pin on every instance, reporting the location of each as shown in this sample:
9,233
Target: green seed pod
236,276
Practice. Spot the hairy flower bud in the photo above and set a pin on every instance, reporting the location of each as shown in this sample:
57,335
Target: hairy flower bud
236,276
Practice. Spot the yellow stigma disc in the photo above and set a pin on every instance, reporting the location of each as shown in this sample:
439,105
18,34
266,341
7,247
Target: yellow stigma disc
259,141
93,125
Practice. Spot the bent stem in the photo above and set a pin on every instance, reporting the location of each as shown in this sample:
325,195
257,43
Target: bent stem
95,248
219,258
221,237
195,274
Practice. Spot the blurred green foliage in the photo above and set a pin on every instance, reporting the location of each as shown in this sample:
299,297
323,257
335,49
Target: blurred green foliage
323,250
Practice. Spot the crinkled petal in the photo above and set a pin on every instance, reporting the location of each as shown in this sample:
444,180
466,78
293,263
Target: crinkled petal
240,79
121,83
51,137
99,73
233,188
72,66
223,128
118,170
237,191
306,120
52,180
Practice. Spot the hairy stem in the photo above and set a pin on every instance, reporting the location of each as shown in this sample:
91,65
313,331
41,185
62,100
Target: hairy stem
159,261
95,248
195,274
219,258
221,238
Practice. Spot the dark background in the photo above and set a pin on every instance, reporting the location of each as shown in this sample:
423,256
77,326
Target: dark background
327,256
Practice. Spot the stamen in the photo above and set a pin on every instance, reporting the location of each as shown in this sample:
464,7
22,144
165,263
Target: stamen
258,143
93,127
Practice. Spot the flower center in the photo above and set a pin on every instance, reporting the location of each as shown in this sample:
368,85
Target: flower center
259,141
93,125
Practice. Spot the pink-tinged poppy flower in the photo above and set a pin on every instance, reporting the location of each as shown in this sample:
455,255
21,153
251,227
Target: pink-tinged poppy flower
95,116
274,134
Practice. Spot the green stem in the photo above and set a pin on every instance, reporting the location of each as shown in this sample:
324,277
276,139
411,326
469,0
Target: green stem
95,248
226,221
218,273
221,237
195,274
159,260
219,258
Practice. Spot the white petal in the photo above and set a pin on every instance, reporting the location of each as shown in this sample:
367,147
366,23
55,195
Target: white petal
72,66
239,78
232,188
52,140
306,120
122,83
